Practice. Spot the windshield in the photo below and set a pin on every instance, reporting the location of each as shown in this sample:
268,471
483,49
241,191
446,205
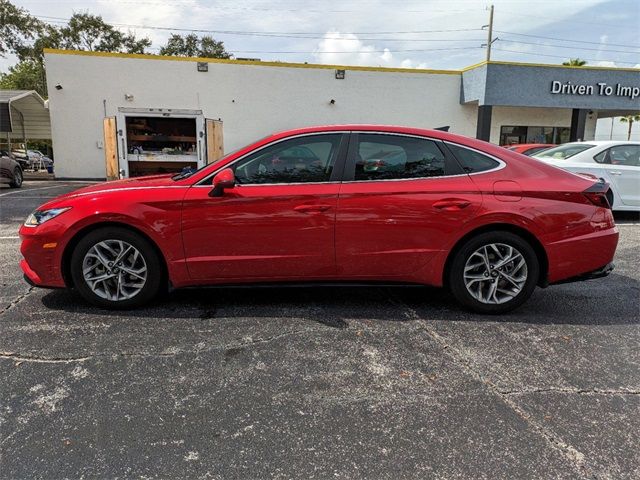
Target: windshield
188,171
564,151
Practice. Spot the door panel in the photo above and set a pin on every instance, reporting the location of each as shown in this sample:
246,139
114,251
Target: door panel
260,231
401,207
393,229
215,143
278,222
626,182
622,163
110,148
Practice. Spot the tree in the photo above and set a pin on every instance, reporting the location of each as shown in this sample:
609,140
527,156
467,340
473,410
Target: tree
17,27
575,62
193,46
25,75
630,119
26,37
89,32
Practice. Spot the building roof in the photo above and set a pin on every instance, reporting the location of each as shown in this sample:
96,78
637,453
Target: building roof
144,56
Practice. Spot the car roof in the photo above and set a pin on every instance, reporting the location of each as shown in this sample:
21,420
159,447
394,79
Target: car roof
528,145
604,142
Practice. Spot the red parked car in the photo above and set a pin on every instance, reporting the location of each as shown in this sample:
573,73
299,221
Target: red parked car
333,204
529,149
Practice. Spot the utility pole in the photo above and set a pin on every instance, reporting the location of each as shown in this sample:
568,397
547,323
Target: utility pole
490,33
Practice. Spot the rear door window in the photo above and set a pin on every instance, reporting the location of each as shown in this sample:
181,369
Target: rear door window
396,157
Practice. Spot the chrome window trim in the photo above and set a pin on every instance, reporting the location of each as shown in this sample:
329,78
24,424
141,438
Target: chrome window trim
199,184
501,163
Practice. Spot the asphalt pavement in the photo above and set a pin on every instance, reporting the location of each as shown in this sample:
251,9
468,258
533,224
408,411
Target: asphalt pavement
307,383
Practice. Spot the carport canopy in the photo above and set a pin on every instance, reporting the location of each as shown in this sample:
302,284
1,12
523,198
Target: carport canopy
23,114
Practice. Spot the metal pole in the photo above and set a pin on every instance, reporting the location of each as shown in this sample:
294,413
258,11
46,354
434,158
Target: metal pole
611,132
490,33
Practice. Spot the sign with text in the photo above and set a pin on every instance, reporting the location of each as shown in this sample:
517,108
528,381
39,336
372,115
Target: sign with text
600,88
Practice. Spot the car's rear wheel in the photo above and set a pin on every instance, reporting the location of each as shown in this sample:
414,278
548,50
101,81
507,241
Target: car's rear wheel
17,178
115,268
494,272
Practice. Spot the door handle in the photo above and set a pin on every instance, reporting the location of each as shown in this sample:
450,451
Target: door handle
615,172
312,208
451,204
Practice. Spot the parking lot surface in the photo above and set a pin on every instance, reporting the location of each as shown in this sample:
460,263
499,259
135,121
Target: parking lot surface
317,382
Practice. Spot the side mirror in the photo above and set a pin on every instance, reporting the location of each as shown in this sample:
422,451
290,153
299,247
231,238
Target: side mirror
223,179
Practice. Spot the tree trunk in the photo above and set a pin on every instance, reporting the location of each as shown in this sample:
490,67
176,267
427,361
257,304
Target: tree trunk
629,130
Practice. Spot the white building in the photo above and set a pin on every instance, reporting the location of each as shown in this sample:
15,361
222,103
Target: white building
135,114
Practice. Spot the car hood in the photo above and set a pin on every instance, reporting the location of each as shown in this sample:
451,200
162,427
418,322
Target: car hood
152,181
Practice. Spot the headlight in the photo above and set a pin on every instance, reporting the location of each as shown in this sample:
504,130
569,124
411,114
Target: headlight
40,216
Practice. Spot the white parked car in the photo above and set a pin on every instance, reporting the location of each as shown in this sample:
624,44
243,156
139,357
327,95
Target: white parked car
618,163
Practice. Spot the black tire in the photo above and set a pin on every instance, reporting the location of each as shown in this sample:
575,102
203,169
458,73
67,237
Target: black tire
17,178
457,267
155,272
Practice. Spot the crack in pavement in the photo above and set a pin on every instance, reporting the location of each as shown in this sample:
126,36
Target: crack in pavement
17,300
577,391
576,458
18,357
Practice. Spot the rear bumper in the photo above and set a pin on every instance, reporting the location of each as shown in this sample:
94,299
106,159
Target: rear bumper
598,273
585,255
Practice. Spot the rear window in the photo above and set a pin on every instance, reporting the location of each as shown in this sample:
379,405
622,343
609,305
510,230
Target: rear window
565,151
472,161
534,150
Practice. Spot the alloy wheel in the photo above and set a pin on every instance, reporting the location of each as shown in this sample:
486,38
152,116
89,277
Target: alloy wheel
114,270
495,273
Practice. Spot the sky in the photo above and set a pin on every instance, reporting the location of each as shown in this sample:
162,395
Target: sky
372,32
436,34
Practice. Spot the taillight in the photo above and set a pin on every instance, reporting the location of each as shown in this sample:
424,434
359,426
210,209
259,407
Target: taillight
599,194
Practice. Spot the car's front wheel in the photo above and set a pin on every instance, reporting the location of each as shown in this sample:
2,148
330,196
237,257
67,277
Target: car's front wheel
494,272
116,268
17,178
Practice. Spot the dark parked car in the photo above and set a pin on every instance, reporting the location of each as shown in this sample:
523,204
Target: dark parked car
10,170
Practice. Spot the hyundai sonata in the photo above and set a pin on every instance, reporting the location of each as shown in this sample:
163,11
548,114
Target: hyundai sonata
336,204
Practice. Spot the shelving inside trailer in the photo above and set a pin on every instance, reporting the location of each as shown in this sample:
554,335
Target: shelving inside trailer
160,144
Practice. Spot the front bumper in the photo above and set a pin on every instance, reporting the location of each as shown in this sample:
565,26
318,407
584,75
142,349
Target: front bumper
42,252
598,273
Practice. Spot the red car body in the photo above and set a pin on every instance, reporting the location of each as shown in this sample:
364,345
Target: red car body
393,231
529,148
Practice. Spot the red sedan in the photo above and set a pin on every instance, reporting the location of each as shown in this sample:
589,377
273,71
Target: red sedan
333,204
530,149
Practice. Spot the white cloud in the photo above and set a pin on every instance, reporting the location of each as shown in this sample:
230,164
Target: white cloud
603,63
347,49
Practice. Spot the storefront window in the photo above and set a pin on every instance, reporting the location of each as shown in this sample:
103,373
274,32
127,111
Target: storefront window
514,135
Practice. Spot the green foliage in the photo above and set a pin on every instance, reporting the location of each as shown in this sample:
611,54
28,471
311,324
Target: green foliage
193,46
89,32
25,36
25,75
17,27
630,119
575,62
